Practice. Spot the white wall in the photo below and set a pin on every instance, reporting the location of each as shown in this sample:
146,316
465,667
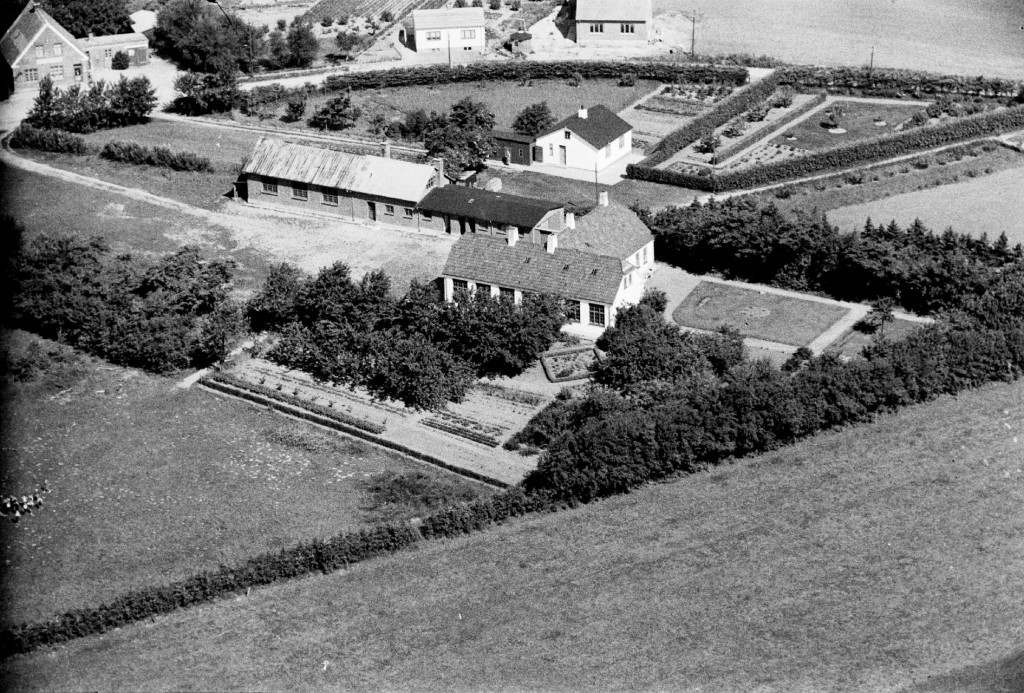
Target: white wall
458,43
579,153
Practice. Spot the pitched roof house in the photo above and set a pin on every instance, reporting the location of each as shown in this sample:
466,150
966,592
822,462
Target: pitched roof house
591,139
614,22
596,266
449,29
36,46
458,209
354,186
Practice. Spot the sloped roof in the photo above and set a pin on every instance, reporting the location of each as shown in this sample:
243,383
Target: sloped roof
614,11
369,175
494,207
18,38
599,128
132,38
143,20
529,267
454,18
512,136
613,230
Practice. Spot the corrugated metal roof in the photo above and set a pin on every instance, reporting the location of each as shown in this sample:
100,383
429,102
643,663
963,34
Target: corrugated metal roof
129,39
613,230
599,128
493,207
455,18
614,11
369,175
529,267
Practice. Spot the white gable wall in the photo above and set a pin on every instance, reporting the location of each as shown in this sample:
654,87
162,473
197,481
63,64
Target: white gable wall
438,40
581,154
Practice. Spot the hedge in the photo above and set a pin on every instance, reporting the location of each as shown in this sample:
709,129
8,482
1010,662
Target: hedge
29,137
893,82
845,156
303,559
132,153
724,111
747,140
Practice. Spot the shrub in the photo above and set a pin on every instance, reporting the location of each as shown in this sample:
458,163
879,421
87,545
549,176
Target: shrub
294,111
132,153
575,79
27,137
119,61
495,5
386,17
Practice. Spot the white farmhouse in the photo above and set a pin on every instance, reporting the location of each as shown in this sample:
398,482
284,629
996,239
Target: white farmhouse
593,138
456,30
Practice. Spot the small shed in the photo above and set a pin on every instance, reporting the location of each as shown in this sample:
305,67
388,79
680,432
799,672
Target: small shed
514,148
521,43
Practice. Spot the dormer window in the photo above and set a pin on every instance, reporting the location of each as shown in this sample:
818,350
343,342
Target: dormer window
568,135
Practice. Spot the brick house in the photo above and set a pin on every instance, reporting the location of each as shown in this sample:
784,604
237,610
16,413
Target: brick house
595,266
592,139
351,186
35,46
455,29
461,210
614,22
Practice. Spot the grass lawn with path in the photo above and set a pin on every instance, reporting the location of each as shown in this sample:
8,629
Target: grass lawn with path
762,315
858,119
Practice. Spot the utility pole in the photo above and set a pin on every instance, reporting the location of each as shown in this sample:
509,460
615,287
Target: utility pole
449,35
597,190
694,16
246,40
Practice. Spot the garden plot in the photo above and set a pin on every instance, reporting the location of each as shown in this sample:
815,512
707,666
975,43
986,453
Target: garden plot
760,314
856,120
569,364
484,416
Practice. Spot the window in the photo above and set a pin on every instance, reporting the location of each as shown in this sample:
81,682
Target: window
299,192
57,71
468,33
622,141
269,188
645,255
572,311
483,289
31,75
597,28
330,198
551,149
427,217
459,285
520,152
510,294
40,51
433,35
596,314
467,48
58,49
389,210
108,52
407,212
627,28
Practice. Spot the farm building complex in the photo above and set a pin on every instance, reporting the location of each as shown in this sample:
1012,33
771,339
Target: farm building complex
34,46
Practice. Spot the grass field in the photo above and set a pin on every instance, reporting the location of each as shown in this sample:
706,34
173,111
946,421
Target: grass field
880,182
992,205
766,316
858,120
869,559
150,483
946,36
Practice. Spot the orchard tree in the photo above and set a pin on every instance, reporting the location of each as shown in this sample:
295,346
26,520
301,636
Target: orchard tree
336,114
534,120
206,93
302,44
294,111
709,143
198,37
82,17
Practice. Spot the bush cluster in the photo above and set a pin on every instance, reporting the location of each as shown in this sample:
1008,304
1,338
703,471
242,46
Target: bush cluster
722,112
844,156
27,137
97,106
164,316
133,153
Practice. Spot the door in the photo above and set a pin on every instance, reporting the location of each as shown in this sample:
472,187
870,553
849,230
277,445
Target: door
538,154
371,211
78,72
561,154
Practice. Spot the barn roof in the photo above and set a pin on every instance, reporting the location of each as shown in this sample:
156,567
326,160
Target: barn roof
613,230
369,175
494,207
454,18
529,267
613,11
601,127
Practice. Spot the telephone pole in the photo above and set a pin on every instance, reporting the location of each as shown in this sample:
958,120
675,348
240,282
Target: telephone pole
694,16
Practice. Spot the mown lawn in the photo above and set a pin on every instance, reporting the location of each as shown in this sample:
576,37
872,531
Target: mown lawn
151,483
873,558
858,120
769,316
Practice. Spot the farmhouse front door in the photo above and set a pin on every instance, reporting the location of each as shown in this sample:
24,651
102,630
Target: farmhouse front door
561,154
371,211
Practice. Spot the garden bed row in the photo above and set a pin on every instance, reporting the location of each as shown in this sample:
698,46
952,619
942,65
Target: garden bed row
747,140
464,428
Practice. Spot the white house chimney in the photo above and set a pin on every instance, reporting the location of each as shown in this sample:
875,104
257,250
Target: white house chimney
602,198
582,112
513,236
552,244
385,149
570,220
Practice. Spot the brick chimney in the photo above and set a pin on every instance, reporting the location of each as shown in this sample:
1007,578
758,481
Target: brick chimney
602,198
582,112
513,235
552,243
570,220
439,167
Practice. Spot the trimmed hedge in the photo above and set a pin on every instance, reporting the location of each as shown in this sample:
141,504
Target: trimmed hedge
26,136
846,156
220,377
747,140
132,153
892,82
724,111
303,559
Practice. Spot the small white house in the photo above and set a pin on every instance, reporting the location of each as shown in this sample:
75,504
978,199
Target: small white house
592,139
614,22
456,30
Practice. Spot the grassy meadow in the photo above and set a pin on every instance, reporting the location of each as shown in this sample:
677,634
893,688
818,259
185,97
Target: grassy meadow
151,483
874,558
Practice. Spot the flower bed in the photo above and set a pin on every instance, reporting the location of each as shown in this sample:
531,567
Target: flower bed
564,365
465,427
